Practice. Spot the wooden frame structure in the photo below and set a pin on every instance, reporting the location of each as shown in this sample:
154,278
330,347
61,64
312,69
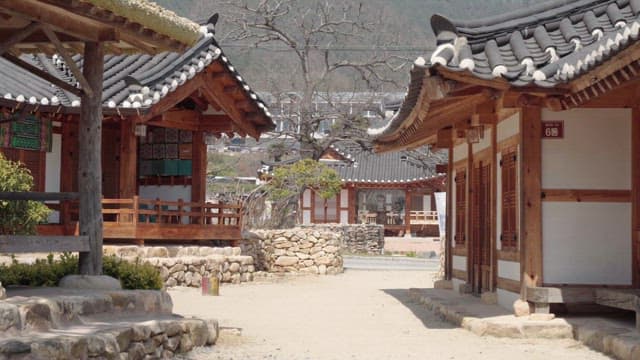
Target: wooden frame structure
209,97
544,184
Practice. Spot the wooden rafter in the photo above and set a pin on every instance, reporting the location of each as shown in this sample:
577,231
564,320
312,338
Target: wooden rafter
68,60
42,74
18,36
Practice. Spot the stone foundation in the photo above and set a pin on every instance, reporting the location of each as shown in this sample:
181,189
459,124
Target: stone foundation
303,250
187,266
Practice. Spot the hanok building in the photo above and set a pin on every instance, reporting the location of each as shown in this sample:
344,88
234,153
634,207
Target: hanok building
392,189
540,112
159,111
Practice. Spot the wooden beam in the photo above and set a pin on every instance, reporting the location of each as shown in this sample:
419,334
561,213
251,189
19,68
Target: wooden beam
508,284
216,123
42,74
10,244
68,61
61,20
582,195
39,196
178,119
635,196
213,91
531,204
175,97
18,36
444,138
90,160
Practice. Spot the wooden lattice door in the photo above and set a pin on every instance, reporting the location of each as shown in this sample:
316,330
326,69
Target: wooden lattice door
481,229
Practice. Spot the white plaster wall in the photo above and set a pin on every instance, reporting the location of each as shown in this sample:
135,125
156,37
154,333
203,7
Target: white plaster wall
53,164
344,198
506,298
508,127
586,243
344,216
459,262
306,217
594,154
166,192
460,152
484,143
509,270
426,202
306,198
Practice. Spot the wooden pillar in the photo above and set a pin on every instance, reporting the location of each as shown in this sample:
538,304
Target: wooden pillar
494,212
407,212
68,166
90,163
468,214
531,204
128,160
448,260
353,216
199,170
635,196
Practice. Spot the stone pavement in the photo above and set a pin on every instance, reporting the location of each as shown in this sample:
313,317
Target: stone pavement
613,335
421,246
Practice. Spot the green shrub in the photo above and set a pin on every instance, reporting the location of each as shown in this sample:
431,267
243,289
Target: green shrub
132,275
48,272
18,217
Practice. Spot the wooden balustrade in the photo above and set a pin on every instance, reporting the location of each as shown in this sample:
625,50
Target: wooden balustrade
146,211
423,217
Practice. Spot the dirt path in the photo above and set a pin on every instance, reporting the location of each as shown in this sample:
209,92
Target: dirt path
357,315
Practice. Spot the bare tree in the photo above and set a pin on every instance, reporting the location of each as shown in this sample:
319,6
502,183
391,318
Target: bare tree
322,39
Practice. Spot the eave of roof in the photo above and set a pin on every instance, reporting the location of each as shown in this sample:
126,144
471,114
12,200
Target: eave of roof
544,49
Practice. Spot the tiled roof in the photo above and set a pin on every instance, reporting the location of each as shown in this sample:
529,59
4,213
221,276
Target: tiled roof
547,45
131,82
392,168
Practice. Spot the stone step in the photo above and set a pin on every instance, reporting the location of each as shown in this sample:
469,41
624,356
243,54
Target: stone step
42,309
112,337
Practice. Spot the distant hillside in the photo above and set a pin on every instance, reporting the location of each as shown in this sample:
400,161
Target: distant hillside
407,19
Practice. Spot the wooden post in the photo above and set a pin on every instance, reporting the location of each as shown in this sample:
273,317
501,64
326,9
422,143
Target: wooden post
90,163
494,213
468,215
448,260
635,196
128,159
199,170
407,212
531,204
136,208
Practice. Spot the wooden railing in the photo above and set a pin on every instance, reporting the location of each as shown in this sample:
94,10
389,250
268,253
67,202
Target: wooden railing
423,217
146,211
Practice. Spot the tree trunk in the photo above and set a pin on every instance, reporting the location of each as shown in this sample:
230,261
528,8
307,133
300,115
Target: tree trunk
90,163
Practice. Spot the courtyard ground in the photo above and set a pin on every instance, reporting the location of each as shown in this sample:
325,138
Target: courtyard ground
356,315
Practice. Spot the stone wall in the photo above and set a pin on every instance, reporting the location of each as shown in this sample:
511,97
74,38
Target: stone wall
187,265
299,250
357,238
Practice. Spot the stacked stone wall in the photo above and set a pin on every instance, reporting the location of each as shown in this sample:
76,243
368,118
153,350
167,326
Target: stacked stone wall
362,239
297,250
188,265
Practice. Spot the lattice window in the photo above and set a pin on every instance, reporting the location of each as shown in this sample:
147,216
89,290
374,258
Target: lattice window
461,207
508,164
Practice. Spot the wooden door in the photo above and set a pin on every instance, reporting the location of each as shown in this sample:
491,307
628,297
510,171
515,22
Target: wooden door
482,272
111,162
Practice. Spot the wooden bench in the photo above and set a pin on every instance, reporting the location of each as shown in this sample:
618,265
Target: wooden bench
10,244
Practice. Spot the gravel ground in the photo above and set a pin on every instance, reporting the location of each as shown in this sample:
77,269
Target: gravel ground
356,315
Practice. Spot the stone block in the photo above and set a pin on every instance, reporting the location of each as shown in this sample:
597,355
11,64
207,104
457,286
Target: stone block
443,284
95,282
286,260
156,251
490,298
521,308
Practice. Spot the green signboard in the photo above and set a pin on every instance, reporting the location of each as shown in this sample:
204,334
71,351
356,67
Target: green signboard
28,133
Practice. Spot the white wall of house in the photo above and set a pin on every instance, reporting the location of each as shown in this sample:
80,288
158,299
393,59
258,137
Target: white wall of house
426,202
460,152
506,298
306,202
484,143
587,243
166,192
53,163
508,127
344,203
459,262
